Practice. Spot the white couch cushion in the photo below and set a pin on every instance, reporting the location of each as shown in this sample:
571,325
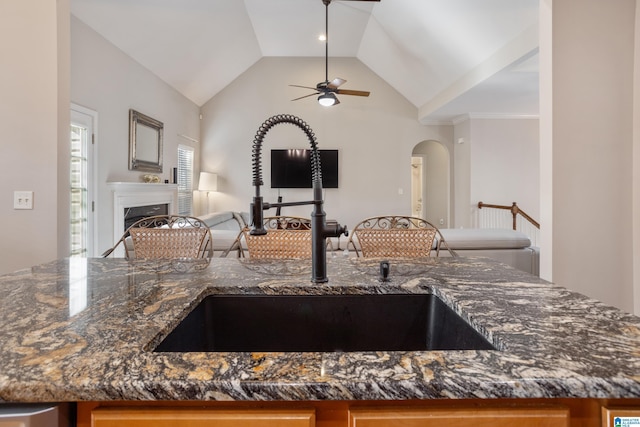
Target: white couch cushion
242,218
220,220
484,238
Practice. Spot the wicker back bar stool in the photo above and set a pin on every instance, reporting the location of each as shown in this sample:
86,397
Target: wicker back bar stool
396,236
279,244
288,237
166,237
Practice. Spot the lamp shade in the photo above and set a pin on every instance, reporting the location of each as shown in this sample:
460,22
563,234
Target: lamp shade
208,182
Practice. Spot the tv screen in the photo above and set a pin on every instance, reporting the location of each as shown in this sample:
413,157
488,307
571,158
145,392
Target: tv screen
292,168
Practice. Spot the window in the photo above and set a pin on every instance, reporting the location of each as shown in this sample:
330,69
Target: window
185,180
81,182
78,191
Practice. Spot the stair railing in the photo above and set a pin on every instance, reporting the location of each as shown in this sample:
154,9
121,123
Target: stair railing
519,219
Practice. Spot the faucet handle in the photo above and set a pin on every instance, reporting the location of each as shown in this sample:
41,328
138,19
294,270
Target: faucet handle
333,229
384,270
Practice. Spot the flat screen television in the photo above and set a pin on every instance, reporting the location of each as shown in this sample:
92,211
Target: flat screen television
292,168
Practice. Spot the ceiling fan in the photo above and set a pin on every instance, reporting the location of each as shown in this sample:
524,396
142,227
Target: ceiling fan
328,89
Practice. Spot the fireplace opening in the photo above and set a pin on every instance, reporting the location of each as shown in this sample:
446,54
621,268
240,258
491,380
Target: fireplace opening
133,214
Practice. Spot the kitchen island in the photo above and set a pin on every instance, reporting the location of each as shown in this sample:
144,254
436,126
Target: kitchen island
83,330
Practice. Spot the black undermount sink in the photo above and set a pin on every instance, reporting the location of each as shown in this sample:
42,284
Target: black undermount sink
322,323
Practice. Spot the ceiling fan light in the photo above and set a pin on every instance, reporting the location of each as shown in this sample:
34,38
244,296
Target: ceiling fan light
327,99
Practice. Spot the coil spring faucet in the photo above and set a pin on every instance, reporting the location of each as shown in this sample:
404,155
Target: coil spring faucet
320,230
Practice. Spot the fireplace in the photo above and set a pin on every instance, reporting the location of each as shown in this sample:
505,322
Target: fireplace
132,199
135,213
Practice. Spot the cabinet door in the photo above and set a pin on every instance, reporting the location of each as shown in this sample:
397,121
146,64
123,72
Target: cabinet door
620,417
201,417
459,417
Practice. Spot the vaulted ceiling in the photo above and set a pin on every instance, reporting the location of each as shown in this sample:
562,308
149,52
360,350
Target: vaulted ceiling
447,57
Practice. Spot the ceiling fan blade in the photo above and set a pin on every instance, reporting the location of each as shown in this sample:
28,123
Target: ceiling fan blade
305,87
306,96
352,92
335,83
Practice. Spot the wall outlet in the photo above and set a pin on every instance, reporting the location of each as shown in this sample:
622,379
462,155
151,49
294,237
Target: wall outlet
23,200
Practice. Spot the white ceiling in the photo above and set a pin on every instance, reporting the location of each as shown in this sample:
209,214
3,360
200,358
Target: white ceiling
447,57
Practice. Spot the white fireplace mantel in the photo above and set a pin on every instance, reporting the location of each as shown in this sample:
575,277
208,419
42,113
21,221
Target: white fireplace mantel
135,194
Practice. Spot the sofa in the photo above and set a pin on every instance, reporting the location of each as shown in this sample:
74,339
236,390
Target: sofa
225,227
507,246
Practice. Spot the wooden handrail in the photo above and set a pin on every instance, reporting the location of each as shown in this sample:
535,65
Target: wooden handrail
515,210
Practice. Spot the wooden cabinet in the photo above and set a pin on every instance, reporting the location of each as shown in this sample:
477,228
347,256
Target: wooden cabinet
408,413
200,417
459,417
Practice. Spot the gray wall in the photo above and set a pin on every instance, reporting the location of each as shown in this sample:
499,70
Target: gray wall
505,158
587,146
34,116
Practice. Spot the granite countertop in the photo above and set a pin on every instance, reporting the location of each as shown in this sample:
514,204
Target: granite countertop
82,329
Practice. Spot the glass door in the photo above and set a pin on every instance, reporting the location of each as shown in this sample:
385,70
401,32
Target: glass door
82,209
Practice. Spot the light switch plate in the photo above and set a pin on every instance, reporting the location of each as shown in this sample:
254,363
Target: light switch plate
23,200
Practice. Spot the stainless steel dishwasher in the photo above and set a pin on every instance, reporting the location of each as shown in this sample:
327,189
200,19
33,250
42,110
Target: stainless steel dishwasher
33,415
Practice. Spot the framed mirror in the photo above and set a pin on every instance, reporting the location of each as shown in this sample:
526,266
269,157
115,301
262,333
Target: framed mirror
145,143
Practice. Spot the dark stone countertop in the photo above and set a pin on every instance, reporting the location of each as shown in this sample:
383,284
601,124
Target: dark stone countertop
82,329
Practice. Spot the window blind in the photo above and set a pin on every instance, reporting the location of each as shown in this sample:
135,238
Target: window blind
185,180
79,212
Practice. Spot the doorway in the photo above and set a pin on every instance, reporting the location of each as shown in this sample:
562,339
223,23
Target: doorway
417,187
82,182
430,183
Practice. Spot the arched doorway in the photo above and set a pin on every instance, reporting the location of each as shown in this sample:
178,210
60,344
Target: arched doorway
430,183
